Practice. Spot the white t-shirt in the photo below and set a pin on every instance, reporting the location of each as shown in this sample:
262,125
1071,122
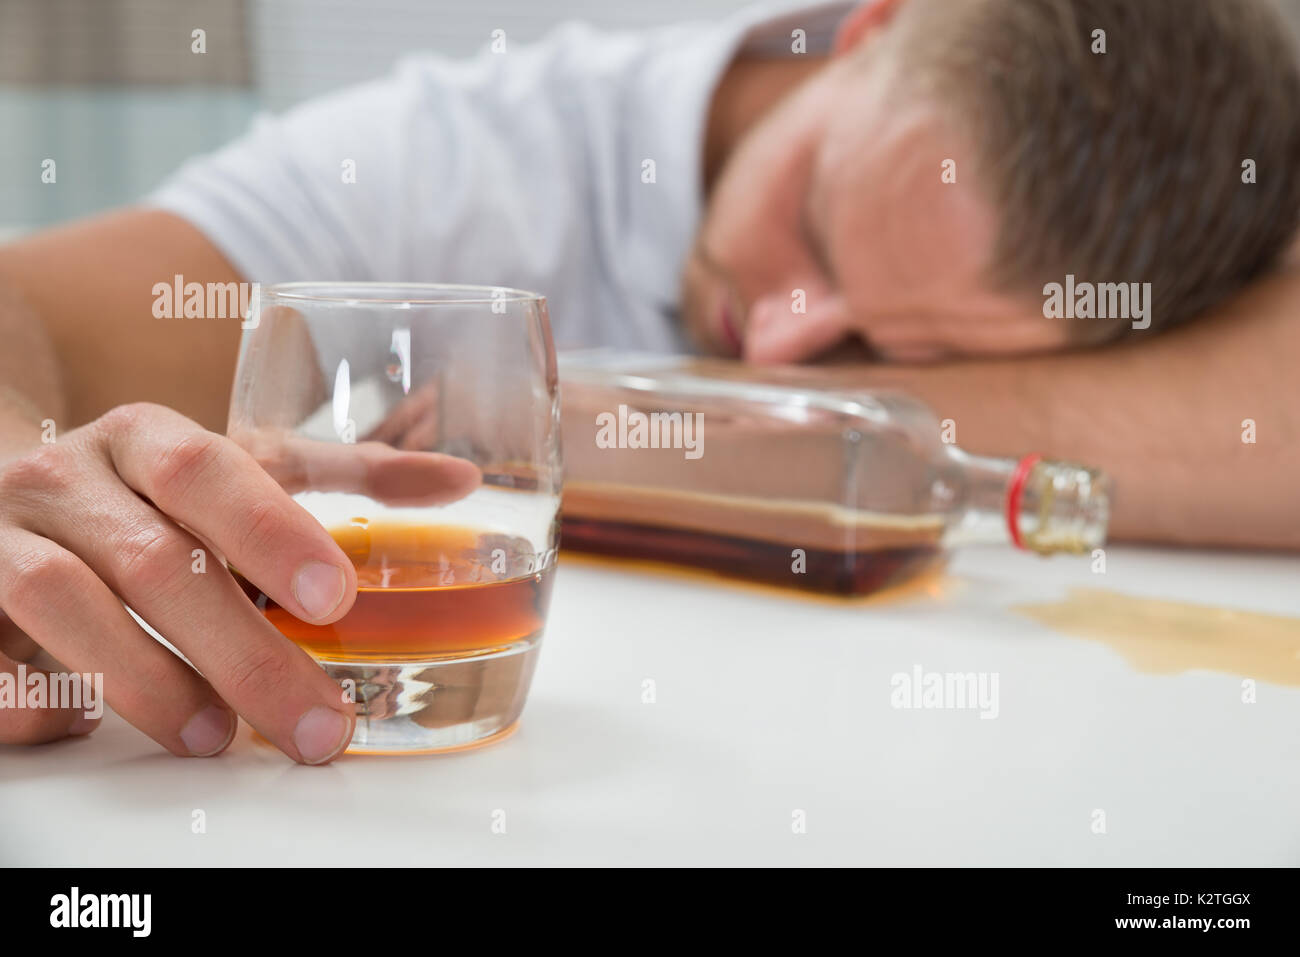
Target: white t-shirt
527,168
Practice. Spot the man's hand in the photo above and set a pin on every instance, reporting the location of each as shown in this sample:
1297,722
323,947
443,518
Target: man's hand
115,512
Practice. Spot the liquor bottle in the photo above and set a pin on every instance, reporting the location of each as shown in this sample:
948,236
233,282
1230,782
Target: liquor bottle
724,467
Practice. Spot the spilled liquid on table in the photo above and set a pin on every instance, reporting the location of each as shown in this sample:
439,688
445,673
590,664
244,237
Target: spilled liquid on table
1155,636
1168,637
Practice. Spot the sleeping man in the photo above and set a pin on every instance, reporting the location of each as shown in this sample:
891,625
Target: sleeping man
1063,223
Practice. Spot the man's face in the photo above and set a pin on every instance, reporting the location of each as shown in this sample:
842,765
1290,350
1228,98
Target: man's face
831,220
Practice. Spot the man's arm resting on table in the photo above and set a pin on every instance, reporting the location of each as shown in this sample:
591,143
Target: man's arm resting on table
76,317
1162,414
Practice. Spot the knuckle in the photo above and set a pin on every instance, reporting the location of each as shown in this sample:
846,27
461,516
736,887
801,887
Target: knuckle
149,677
123,418
152,562
43,469
256,674
263,527
267,449
37,577
184,463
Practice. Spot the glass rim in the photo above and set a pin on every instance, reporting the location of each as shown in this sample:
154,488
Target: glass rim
422,293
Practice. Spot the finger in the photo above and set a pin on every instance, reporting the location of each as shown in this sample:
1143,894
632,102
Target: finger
145,558
420,407
29,724
420,436
208,483
374,469
15,643
398,477
53,596
418,421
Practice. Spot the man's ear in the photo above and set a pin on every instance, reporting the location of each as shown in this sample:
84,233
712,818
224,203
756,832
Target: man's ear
864,20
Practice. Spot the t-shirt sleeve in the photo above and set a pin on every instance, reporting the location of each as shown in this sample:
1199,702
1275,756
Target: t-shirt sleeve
317,193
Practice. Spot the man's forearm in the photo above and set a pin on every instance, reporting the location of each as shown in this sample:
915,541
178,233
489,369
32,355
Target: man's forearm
1164,416
79,331
31,390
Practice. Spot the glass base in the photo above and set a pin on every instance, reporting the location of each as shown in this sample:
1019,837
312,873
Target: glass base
446,704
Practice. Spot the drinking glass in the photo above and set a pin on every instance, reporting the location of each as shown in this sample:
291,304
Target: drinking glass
419,424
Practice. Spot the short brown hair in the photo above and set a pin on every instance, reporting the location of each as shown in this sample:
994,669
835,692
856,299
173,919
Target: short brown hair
1127,165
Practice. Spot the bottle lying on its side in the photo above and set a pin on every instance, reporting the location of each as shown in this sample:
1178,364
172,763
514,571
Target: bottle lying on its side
724,467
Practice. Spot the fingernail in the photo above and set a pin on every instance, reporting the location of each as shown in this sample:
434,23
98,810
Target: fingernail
82,725
321,734
209,731
318,587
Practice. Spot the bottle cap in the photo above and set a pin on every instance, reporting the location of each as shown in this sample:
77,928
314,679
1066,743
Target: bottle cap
1057,506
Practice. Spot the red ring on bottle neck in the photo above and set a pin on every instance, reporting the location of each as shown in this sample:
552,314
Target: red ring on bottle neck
1015,490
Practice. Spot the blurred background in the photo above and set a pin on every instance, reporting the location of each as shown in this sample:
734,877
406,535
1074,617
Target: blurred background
113,91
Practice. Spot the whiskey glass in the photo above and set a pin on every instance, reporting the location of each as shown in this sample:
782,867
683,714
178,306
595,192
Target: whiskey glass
361,399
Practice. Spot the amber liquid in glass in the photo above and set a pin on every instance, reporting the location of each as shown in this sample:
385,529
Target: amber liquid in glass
425,593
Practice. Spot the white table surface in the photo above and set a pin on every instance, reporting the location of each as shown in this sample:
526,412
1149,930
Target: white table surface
765,704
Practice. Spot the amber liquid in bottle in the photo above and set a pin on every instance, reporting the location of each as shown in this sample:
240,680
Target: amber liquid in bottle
818,570
425,593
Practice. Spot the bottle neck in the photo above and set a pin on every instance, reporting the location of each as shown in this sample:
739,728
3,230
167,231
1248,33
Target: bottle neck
1036,504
